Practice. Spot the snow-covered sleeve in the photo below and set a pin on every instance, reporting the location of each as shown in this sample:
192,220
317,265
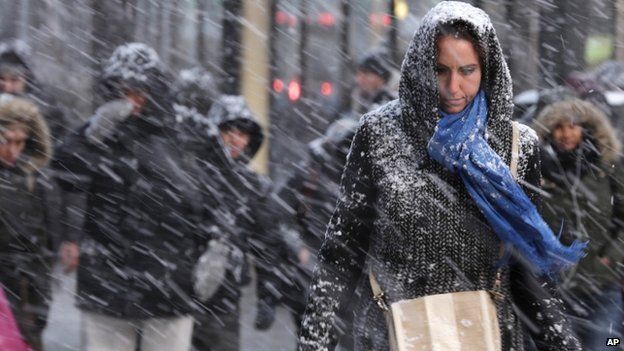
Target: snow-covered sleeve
536,298
542,310
530,164
343,252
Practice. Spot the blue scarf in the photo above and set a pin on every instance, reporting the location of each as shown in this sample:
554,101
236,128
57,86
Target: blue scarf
459,145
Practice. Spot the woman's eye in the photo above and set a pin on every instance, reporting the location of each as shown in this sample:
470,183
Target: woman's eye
468,70
440,70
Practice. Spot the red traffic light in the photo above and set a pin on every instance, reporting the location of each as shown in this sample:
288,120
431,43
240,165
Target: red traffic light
294,90
326,19
278,85
326,88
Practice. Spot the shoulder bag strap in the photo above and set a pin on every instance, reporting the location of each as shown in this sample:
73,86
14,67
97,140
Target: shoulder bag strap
515,149
378,294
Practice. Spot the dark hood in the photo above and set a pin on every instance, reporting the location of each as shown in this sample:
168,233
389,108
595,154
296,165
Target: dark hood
16,52
418,89
232,109
137,66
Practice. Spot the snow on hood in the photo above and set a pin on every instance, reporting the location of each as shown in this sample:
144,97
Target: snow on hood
137,66
132,61
418,89
196,88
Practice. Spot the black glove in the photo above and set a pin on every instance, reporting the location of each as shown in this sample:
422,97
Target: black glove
265,316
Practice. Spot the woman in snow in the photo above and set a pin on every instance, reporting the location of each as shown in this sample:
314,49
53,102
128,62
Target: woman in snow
422,206
581,171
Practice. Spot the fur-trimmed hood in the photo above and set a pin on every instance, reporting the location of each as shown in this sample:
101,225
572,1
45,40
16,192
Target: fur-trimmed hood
591,118
38,150
418,88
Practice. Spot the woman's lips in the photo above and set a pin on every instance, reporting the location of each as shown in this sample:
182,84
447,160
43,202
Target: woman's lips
454,101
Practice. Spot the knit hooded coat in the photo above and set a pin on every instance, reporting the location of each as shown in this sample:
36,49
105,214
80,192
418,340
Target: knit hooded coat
413,223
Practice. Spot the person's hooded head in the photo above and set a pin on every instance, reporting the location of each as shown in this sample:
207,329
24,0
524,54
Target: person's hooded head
372,73
453,54
16,76
134,71
239,131
196,89
567,125
24,136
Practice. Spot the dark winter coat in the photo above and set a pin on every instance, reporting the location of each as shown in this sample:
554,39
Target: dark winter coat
305,204
17,53
412,221
585,192
142,227
29,226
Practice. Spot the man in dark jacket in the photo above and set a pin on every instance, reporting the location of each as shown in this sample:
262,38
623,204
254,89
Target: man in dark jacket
17,79
142,225
28,213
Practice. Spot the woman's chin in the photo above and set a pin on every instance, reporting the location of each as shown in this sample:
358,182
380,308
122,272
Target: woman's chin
453,109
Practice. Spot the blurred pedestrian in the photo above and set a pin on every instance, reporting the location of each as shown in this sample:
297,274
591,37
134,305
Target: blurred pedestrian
305,205
141,233
372,75
429,203
234,195
582,174
17,79
29,227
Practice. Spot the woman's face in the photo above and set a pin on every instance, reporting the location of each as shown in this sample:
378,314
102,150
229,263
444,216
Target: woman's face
235,141
459,73
567,136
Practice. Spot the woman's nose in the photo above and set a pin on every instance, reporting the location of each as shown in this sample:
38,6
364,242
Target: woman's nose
453,83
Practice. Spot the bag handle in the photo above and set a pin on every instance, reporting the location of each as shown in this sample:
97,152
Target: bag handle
515,149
